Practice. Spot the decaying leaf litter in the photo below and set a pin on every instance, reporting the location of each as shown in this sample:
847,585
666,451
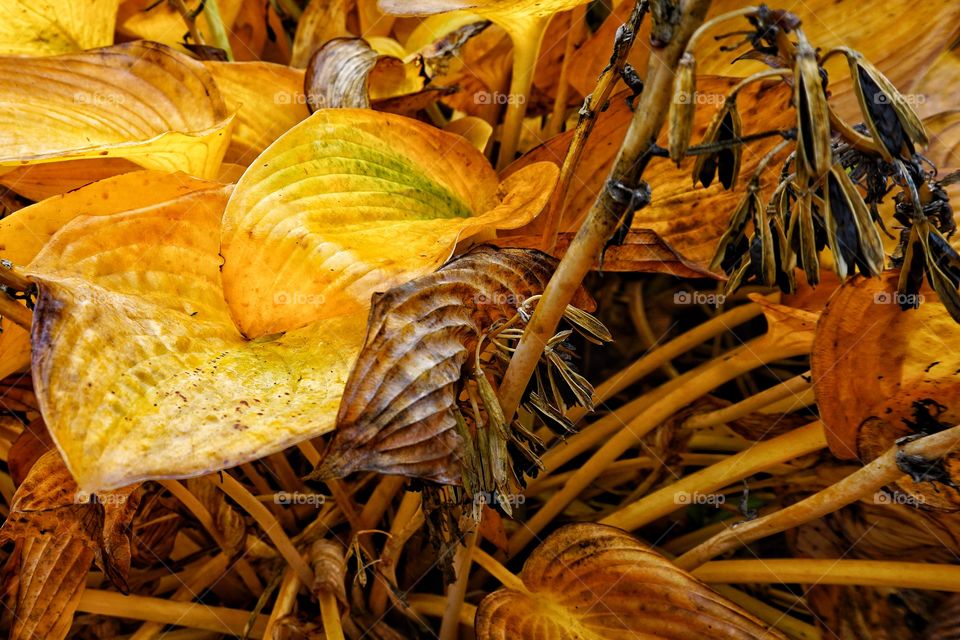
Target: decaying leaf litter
479,319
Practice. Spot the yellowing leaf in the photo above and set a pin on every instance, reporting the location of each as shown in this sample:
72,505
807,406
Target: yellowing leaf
267,99
350,202
165,385
322,21
40,181
162,22
593,581
25,232
492,9
49,27
140,101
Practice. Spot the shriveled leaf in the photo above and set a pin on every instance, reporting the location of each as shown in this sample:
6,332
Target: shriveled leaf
322,204
397,413
140,101
59,530
689,220
49,27
868,396
347,73
166,385
25,232
267,99
595,581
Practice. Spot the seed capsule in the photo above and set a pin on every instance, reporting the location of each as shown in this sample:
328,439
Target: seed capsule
682,108
813,116
853,238
725,127
891,120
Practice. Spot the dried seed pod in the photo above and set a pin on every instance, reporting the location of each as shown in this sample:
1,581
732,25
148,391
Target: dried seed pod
682,107
724,128
397,412
813,116
853,238
892,121
732,243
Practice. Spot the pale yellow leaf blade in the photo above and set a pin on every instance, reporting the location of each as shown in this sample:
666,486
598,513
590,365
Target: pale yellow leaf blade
50,27
140,101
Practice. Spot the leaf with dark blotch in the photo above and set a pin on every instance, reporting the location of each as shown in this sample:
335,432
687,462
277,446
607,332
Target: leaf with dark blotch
595,581
396,415
59,530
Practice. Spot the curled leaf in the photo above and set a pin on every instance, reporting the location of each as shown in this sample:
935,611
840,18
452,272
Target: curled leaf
595,581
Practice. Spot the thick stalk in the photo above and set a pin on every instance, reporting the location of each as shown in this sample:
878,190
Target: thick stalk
606,213
795,629
857,485
755,353
527,36
786,389
867,573
450,624
283,605
734,468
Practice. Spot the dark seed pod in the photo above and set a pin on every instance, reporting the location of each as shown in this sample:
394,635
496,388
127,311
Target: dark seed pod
725,127
682,108
813,119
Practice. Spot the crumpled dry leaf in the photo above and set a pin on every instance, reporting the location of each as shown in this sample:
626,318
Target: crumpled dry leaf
49,27
267,99
348,73
138,392
59,530
25,232
316,211
688,220
397,412
141,101
595,581
868,396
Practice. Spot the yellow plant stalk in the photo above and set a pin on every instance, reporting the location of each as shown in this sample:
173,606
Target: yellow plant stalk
867,573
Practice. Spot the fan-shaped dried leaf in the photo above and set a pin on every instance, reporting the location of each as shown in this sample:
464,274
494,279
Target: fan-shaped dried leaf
267,99
594,581
59,530
166,385
397,415
140,101
320,206
49,27
869,396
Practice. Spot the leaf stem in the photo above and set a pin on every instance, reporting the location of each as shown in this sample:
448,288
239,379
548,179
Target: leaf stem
734,468
498,571
606,213
872,573
863,482
527,36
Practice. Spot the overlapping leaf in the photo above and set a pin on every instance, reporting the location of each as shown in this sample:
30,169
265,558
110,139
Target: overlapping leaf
594,581
869,396
49,27
339,207
139,101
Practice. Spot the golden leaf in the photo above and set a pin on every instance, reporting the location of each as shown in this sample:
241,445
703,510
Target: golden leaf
267,99
162,22
140,101
322,21
339,208
49,27
595,581
166,385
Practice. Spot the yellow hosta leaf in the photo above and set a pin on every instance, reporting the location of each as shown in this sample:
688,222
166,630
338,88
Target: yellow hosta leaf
594,581
40,181
321,22
138,367
139,101
350,202
49,27
161,22
24,233
267,99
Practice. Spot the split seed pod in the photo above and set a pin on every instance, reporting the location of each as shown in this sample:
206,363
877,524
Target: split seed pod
682,107
853,237
813,116
725,127
892,121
